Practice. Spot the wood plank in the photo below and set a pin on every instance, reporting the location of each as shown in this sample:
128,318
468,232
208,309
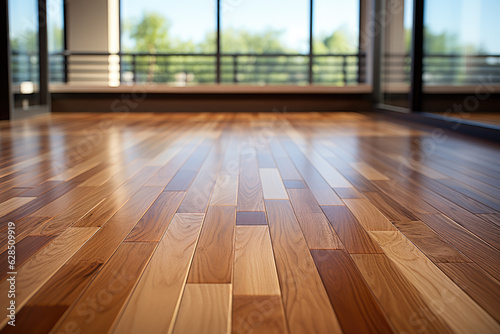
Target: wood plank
351,233
456,308
471,246
165,275
156,220
321,190
254,267
51,302
352,300
96,309
225,190
12,204
213,318
298,277
429,242
389,207
318,233
477,284
250,196
213,258
303,201
294,184
181,181
272,185
368,171
251,218
348,193
258,314
39,268
368,215
24,249
400,300
41,189
100,214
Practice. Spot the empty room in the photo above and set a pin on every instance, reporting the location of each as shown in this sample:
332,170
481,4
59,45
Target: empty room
249,166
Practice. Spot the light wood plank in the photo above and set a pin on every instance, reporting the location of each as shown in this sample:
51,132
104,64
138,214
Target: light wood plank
165,275
368,215
272,185
368,171
213,317
254,267
307,307
456,308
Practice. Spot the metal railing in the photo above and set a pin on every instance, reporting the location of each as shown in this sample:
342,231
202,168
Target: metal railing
444,69
260,69
190,69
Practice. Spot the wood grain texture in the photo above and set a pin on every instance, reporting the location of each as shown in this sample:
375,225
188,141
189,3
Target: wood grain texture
368,171
405,308
457,309
477,284
155,221
258,314
306,303
317,231
351,233
352,300
38,269
303,201
429,242
213,258
213,318
470,245
165,275
368,215
272,184
254,267
109,290
250,196
178,198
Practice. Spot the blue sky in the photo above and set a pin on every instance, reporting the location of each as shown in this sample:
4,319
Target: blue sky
474,21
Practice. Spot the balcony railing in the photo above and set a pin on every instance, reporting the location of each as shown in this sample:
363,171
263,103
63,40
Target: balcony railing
445,69
191,69
252,69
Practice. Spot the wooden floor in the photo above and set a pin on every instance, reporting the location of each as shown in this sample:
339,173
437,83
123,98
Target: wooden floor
248,223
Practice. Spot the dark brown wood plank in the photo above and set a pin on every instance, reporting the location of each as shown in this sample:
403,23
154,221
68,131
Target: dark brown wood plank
352,300
477,284
251,218
470,245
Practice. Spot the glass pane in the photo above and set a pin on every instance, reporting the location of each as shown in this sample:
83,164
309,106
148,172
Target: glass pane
462,59
396,62
265,27
55,38
336,32
461,44
168,26
23,21
163,27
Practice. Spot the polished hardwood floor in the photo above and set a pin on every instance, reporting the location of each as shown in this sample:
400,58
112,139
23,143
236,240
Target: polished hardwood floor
248,223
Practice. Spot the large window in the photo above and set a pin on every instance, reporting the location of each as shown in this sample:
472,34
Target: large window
23,25
55,39
461,44
256,42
